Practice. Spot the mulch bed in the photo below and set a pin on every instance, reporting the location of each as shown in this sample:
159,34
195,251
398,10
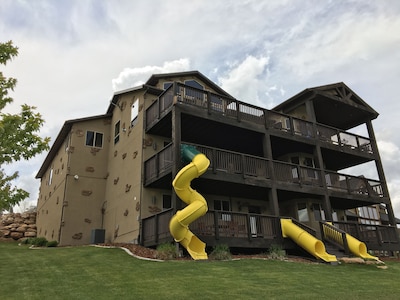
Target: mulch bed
152,253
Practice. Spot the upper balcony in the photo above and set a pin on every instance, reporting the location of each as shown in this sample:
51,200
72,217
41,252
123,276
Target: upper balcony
244,112
241,167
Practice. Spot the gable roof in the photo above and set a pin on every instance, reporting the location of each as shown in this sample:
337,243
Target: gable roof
60,139
334,104
153,80
150,84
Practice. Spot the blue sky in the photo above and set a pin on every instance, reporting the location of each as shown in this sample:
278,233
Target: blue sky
75,54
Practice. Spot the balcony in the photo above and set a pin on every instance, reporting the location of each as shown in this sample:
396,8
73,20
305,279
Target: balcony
244,112
246,230
248,166
218,227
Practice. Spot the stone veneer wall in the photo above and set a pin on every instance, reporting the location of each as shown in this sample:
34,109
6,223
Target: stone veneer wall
18,225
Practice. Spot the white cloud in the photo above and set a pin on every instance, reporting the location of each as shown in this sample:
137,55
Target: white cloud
130,77
243,80
394,188
388,150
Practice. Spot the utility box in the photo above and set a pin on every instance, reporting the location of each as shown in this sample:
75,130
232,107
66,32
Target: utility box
98,236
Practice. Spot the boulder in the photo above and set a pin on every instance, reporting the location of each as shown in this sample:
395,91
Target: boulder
5,233
30,234
21,228
16,235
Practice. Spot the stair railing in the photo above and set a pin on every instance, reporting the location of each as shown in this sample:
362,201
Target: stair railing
334,236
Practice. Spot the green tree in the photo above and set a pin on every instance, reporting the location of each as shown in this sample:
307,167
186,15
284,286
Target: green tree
19,138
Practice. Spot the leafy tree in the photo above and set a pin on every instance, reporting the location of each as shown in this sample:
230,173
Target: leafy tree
19,137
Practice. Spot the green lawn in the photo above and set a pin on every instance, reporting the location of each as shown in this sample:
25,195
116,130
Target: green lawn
99,273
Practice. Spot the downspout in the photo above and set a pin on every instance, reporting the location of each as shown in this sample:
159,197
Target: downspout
65,190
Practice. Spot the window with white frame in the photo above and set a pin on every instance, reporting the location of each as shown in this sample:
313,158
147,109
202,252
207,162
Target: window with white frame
134,112
94,139
117,129
51,176
368,215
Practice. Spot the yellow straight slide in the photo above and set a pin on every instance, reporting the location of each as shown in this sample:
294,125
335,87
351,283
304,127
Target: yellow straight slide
305,240
358,248
197,205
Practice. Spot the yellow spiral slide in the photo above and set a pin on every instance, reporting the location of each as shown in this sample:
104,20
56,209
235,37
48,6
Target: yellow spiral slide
196,204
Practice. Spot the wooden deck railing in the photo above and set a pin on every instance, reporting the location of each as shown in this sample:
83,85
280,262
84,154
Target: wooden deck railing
235,224
232,108
155,229
218,224
335,236
158,165
353,184
374,236
248,165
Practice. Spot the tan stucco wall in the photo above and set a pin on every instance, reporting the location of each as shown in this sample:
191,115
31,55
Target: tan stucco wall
85,183
123,187
51,197
71,205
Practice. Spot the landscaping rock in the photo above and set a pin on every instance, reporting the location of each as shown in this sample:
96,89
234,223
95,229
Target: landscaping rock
30,234
18,226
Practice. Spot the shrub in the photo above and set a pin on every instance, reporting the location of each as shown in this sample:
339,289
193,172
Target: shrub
38,241
166,251
26,241
276,252
52,244
221,252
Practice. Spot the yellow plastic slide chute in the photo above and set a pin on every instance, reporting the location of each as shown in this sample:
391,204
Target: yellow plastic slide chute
356,247
305,240
196,204
359,248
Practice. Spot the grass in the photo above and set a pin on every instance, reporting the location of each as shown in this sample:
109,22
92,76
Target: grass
99,273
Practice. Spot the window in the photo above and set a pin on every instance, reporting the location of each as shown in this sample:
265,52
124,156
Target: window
302,212
193,83
319,213
117,129
193,92
66,145
167,203
223,205
94,139
368,215
134,112
51,176
309,162
167,85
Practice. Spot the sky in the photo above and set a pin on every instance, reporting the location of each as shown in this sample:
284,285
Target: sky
73,55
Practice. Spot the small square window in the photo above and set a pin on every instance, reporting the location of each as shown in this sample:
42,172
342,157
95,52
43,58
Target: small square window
94,139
